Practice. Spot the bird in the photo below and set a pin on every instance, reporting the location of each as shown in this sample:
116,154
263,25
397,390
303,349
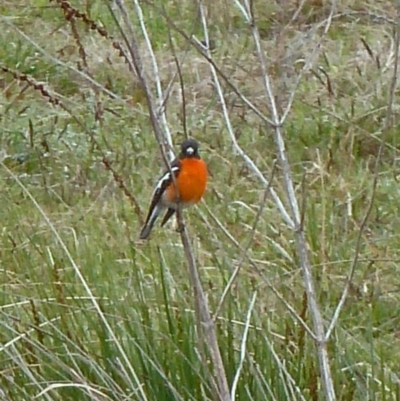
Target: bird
184,183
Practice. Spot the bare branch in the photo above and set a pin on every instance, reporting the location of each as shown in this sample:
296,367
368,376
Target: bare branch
207,322
249,162
302,247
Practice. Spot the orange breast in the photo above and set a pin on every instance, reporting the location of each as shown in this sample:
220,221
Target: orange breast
191,181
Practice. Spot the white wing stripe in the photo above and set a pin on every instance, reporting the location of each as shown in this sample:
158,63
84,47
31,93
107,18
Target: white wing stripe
165,177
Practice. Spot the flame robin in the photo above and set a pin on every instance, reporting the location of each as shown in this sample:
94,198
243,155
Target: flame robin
186,188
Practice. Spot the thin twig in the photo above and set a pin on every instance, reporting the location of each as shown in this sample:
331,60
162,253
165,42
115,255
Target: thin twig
163,140
156,75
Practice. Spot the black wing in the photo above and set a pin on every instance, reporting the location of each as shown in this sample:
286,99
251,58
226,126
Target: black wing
162,185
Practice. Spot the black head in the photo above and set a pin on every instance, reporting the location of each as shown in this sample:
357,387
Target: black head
189,148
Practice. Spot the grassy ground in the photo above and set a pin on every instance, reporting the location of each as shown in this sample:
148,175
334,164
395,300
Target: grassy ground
63,211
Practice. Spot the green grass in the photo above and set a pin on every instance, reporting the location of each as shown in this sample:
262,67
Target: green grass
134,335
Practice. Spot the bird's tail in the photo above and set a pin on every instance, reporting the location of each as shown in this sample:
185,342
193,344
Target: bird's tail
151,219
168,215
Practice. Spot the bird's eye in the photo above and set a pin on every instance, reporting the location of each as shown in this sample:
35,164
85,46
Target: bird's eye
189,150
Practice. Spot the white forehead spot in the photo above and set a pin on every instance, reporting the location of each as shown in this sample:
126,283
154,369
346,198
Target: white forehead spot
189,150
